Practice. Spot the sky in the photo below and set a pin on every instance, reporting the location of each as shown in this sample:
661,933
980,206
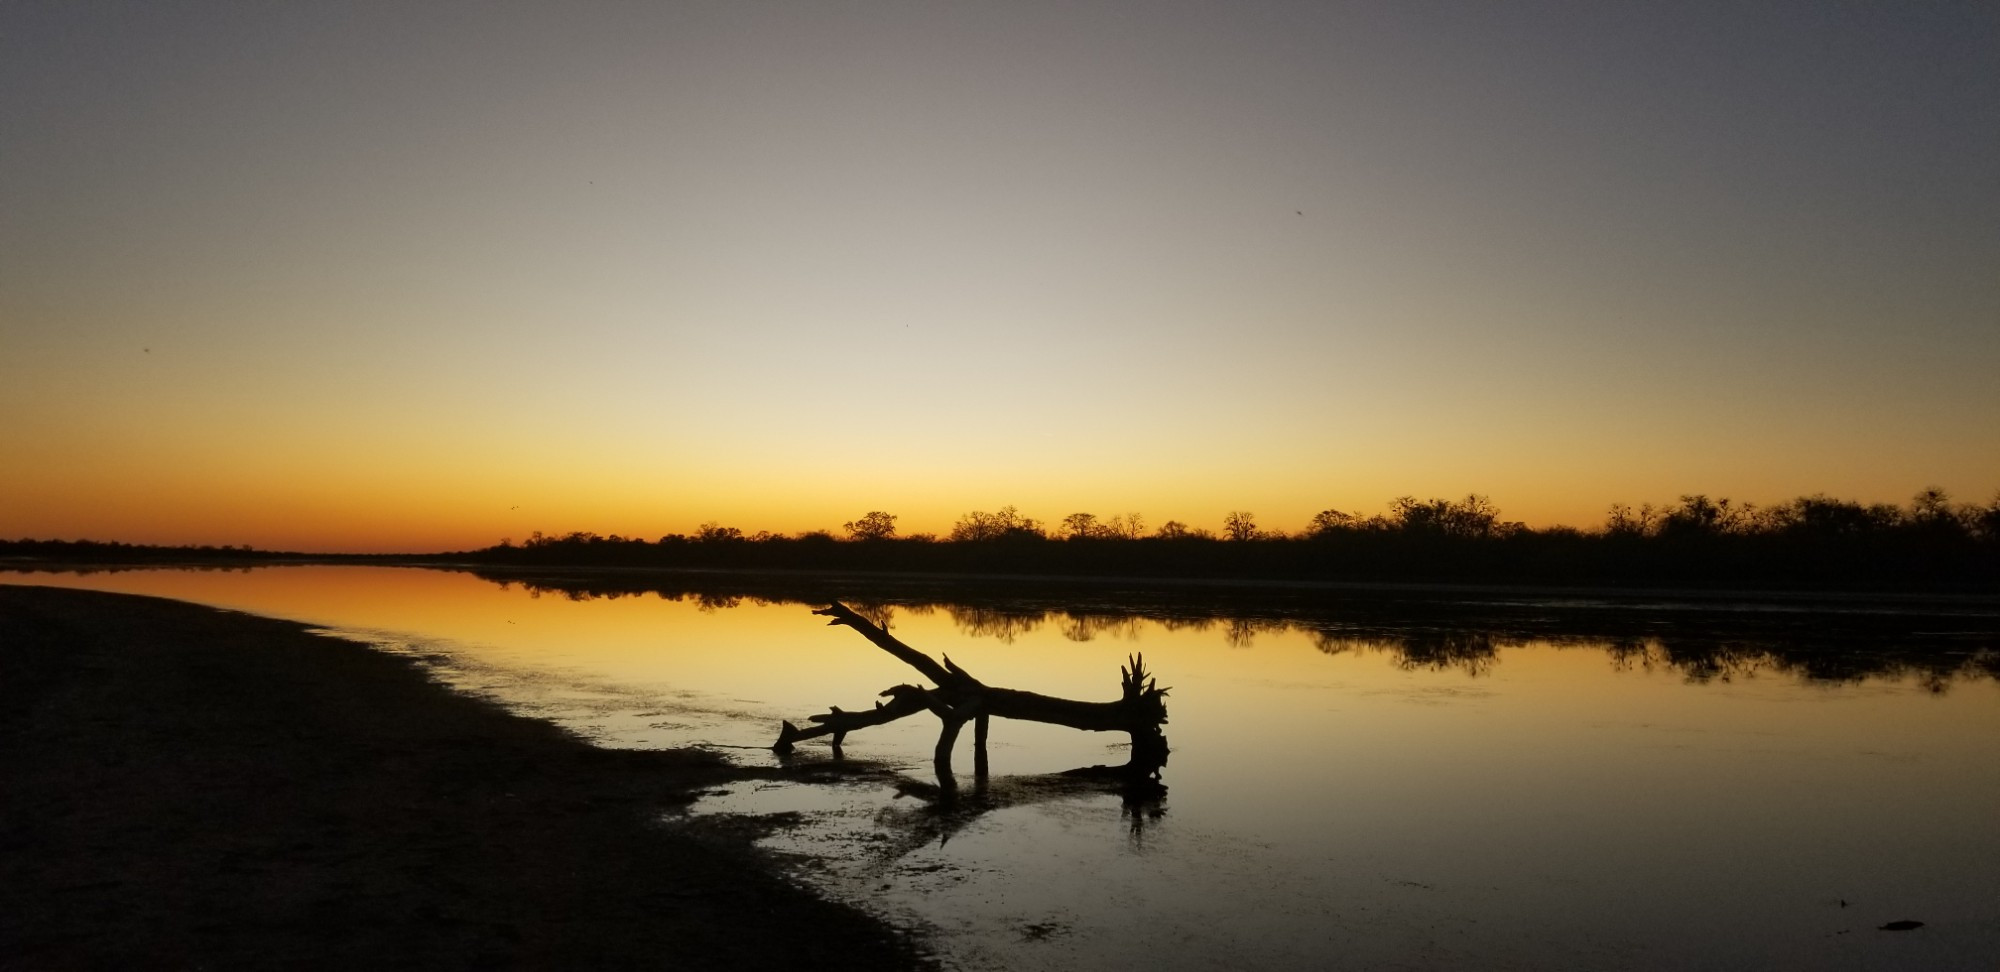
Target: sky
391,276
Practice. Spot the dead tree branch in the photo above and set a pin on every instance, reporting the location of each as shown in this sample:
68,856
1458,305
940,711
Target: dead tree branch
1140,710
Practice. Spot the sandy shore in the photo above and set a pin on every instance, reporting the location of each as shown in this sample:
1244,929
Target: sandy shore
192,788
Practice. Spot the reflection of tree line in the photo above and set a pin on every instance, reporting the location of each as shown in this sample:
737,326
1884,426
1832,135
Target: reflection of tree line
1727,660
1801,642
1698,659
708,602
1471,652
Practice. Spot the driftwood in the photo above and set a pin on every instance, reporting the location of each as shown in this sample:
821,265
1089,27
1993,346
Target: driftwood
958,697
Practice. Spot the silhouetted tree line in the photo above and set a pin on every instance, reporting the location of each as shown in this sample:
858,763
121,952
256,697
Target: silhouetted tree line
94,551
1811,541
67,554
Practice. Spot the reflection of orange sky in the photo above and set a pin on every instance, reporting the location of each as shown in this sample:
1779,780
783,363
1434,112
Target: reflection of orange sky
1294,747
1559,720
635,639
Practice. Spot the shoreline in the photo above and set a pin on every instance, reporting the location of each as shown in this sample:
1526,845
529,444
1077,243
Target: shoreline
1977,592
1976,600
194,787
1921,600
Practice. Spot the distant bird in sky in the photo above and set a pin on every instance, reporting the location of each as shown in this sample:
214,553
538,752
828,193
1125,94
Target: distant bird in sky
147,350
1301,212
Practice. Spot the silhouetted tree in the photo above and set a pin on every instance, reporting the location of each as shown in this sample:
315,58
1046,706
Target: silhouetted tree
1931,514
1008,523
1697,515
1824,516
1131,526
1623,521
1330,521
1474,517
1081,526
1240,525
1985,520
876,525
713,532
1931,503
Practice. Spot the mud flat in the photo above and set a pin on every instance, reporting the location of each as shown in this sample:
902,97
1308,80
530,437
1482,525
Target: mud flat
186,787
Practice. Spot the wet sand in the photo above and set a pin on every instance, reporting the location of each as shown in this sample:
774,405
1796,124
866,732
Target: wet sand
186,787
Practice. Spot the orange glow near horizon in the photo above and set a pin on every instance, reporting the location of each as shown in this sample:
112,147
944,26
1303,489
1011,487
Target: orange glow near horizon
309,473
380,285
361,516
408,525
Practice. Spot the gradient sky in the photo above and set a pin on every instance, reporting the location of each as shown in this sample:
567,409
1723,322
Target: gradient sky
416,276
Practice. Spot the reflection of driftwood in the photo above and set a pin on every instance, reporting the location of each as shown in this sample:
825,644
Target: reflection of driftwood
941,815
1139,711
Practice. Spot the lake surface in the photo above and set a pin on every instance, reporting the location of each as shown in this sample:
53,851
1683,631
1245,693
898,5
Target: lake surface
1458,781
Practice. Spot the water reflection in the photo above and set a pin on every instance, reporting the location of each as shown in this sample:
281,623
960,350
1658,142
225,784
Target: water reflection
1384,780
1471,652
1141,802
925,814
1701,637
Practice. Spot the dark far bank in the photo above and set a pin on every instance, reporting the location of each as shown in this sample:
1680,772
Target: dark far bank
1930,543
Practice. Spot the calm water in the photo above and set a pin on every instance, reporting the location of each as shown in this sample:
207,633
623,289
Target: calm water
1404,793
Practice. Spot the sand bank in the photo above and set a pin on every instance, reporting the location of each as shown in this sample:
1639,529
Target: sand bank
187,787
